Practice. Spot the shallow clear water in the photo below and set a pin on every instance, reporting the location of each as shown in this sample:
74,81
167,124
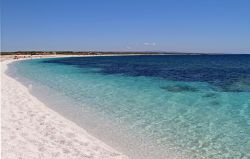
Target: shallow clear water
170,106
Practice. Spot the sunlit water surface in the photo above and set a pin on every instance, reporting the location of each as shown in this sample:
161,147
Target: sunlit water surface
151,106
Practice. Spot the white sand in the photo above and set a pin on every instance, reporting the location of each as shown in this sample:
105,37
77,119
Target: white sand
32,130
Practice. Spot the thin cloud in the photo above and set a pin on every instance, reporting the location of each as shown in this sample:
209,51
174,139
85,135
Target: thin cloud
149,44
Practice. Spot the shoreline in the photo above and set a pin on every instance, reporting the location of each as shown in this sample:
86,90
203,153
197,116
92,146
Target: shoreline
30,129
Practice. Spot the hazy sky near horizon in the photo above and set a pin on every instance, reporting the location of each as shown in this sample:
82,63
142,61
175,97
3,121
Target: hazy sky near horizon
126,25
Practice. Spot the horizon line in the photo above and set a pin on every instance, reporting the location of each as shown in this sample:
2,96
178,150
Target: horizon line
118,51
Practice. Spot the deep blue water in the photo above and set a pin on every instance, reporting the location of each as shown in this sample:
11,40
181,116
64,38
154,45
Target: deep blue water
162,106
225,72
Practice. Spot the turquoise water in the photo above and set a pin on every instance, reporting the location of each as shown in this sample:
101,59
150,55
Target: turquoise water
161,106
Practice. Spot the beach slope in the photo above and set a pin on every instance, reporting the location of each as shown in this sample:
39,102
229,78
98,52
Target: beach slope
32,130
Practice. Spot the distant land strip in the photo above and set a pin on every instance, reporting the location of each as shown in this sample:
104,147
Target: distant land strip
104,53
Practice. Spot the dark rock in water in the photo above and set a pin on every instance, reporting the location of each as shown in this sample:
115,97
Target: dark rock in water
180,88
209,95
240,86
215,103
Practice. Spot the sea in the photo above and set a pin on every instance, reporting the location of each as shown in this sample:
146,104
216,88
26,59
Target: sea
150,106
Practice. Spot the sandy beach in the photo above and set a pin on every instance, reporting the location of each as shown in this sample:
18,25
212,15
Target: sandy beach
30,130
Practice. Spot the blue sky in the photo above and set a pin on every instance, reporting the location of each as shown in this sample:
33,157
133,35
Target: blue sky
126,25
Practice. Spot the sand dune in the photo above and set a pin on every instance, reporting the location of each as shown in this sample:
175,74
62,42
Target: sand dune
32,130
